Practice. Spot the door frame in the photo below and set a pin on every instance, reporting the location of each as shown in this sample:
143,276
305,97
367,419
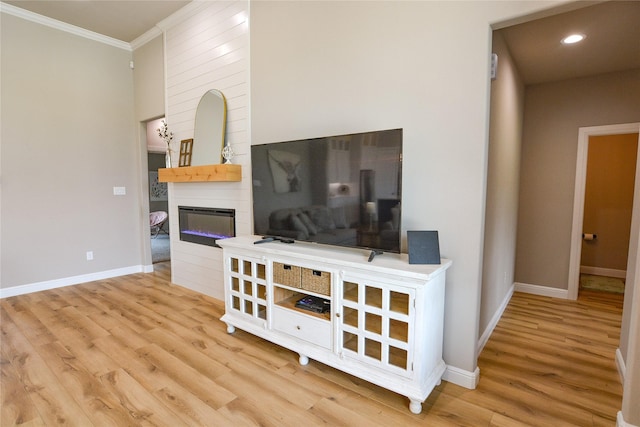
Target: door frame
579,195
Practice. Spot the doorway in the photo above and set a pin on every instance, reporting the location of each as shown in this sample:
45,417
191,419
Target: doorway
158,210
158,195
577,239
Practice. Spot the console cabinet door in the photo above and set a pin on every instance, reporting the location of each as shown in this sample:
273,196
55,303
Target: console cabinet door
246,283
376,322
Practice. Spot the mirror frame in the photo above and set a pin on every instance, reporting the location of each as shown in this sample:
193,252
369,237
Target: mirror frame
207,124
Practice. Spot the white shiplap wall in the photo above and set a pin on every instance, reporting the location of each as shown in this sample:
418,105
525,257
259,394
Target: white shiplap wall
208,49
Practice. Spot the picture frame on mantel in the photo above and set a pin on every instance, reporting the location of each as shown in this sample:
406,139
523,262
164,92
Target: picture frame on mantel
186,148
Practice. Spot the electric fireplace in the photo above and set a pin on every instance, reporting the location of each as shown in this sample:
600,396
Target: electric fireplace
206,225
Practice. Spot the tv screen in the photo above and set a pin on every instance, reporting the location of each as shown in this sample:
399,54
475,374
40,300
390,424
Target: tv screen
340,190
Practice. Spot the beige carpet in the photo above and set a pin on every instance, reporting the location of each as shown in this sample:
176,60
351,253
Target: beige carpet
602,283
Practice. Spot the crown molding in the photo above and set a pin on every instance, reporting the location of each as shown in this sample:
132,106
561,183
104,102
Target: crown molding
182,14
62,26
172,20
146,37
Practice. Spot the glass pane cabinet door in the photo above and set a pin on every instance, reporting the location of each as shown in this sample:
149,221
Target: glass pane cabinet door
247,286
375,323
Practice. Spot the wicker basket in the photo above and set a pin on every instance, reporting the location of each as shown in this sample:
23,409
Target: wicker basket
316,281
286,274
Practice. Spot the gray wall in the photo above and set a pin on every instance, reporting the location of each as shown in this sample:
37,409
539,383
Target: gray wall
553,114
501,220
148,77
68,138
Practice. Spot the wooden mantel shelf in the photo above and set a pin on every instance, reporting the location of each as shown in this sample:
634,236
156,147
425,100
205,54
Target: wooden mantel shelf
223,173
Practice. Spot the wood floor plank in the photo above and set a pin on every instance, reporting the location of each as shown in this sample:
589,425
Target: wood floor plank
445,410
200,385
33,329
129,338
550,361
499,420
141,370
308,378
51,399
274,410
241,413
95,360
143,408
192,353
85,388
193,411
278,386
16,407
530,404
335,414
138,350
562,392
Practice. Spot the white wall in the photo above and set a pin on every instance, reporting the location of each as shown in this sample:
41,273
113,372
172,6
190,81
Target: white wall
68,137
207,48
321,68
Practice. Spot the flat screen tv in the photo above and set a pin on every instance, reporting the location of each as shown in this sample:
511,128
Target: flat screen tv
340,190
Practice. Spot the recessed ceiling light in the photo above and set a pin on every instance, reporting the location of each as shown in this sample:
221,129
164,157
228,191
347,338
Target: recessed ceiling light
573,38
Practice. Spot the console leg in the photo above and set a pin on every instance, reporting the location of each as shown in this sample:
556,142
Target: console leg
303,360
415,406
230,329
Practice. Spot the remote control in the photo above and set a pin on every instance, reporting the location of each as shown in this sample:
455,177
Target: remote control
264,240
373,254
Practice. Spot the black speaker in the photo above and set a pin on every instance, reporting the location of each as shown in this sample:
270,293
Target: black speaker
424,247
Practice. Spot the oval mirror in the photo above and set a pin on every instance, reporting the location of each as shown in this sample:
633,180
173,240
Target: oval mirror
209,133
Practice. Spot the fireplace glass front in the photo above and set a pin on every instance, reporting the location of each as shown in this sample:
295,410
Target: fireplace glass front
206,225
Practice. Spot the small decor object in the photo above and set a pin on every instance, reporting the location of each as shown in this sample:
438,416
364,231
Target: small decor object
424,247
285,167
186,147
157,190
227,154
163,132
313,303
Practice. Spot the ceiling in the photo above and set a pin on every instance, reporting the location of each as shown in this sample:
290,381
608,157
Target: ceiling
612,30
123,20
612,42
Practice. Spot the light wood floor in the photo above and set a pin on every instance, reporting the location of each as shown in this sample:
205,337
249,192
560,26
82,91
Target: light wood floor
137,350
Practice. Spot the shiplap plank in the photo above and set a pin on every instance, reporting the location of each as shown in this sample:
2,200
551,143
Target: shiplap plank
209,50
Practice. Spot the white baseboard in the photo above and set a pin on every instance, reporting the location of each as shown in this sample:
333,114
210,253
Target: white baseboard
545,291
620,422
461,377
68,281
598,271
494,320
622,368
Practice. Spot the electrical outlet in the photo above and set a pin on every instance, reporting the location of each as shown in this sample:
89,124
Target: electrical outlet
119,191
89,255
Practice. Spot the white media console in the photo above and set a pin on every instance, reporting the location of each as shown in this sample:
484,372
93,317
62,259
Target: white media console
383,322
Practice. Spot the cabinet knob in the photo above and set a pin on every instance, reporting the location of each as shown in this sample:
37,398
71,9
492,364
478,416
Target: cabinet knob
298,327
337,314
